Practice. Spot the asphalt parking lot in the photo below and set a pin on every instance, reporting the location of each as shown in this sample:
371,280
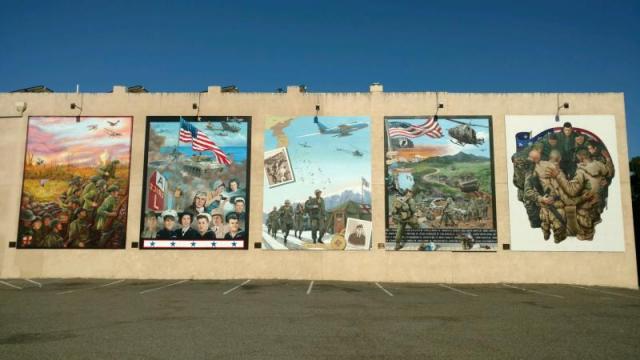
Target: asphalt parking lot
261,319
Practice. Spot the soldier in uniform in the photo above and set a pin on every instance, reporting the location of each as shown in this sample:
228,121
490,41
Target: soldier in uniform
25,233
91,197
217,224
403,213
204,233
523,169
448,213
37,232
108,171
72,190
79,231
54,239
272,222
150,225
544,191
586,184
566,145
316,215
168,222
106,211
551,143
185,232
235,232
357,237
286,219
298,221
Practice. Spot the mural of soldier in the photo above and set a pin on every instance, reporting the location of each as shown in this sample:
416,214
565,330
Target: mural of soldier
567,193
66,188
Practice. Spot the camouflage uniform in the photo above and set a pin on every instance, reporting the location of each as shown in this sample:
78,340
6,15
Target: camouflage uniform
286,219
587,180
298,221
79,232
316,215
272,220
448,214
102,215
403,212
541,187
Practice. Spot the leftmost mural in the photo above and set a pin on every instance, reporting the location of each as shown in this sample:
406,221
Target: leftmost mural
75,183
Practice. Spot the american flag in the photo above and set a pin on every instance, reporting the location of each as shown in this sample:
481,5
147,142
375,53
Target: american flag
201,142
431,128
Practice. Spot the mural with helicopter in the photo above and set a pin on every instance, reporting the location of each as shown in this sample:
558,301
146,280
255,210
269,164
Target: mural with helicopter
439,183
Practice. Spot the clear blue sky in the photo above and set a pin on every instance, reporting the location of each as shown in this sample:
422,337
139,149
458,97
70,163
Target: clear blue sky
327,45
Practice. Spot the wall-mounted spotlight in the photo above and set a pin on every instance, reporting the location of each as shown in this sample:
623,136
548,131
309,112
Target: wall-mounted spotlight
194,106
439,106
74,106
315,118
563,106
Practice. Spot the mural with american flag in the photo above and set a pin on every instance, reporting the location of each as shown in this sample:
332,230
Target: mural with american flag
196,183
439,184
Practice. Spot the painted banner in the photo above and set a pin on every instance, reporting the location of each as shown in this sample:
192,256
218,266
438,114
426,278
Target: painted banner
439,184
317,183
563,191
76,182
196,183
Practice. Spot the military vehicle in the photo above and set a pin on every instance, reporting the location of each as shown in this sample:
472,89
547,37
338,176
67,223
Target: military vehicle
201,166
468,186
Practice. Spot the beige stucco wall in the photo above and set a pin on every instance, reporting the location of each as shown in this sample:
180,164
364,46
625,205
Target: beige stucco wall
589,268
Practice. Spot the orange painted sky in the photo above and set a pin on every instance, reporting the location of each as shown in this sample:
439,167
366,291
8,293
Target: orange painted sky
65,141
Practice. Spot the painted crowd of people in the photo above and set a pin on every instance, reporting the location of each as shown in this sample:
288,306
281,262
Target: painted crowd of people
215,215
563,181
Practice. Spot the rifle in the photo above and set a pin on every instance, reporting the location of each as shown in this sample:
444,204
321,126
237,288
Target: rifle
111,219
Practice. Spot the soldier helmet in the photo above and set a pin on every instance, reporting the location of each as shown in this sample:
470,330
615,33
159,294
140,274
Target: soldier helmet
150,214
74,180
37,218
27,215
95,178
113,188
116,161
169,213
101,182
318,191
287,202
55,223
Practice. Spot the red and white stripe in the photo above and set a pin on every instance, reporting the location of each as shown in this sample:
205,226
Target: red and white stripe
430,128
202,143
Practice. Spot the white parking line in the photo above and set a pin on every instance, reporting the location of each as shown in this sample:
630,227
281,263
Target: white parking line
163,287
310,287
533,291
385,290
10,285
33,282
235,287
458,290
91,288
605,292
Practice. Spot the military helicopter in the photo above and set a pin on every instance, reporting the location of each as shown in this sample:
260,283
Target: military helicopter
464,133
304,145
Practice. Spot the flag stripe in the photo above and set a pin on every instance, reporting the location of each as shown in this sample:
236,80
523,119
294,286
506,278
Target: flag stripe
201,142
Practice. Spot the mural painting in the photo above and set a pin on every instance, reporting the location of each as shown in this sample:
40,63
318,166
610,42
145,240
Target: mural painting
317,179
196,183
75,184
439,184
564,194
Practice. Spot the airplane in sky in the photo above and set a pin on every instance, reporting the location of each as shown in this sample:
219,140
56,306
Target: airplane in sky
338,131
